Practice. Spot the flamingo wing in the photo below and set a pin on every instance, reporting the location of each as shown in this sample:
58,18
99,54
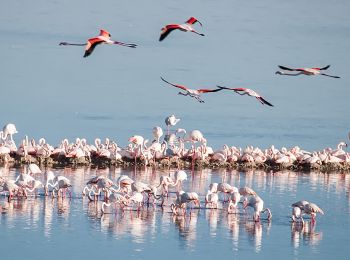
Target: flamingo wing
315,208
175,85
263,101
324,68
90,46
285,68
234,89
203,90
104,33
166,30
193,20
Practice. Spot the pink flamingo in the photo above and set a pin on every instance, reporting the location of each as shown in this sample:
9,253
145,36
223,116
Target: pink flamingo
186,27
195,93
103,37
305,71
249,92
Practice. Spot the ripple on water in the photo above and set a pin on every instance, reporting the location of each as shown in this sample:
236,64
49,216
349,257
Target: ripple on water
196,233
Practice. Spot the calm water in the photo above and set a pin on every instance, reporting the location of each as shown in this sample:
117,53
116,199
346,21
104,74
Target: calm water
76,229
51,91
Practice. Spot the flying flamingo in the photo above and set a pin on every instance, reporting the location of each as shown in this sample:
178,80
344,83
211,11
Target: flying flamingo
195,93
249,92
305,71
186,27
103,37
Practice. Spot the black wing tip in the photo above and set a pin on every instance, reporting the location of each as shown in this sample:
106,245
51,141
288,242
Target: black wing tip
220,87
326,67
266,102
283,67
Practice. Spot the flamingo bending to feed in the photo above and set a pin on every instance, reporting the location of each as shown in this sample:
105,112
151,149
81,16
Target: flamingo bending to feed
212,199
249,92
182,199
195,93
114,198
165,181
186,27
180,176
103,37
305,71
61,184
306,208
235,197
258,205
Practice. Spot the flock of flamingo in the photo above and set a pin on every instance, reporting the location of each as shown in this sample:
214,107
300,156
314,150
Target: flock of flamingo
177,149
126,193
105,38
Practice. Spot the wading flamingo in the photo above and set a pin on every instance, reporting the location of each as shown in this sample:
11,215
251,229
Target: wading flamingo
103,37
249,92
195,93
258,205
180,176
186,27
305,71
306,208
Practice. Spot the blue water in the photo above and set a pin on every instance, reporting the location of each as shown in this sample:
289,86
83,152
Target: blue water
51,91
75,228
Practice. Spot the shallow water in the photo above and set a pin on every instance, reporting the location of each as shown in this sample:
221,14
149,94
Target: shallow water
75,227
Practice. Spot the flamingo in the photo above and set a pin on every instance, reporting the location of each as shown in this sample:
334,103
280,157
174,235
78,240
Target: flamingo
171,121
212,199
165,181
249,92
157,133
9,130
33,169
297,215
136,198
103,37
195,93
182,199
311,209
61,182
226,188
180,176
235,197
305,71
182,27
306,208
114,198
99,184
258,205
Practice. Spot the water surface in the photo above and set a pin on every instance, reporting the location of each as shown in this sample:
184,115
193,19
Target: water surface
76,228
